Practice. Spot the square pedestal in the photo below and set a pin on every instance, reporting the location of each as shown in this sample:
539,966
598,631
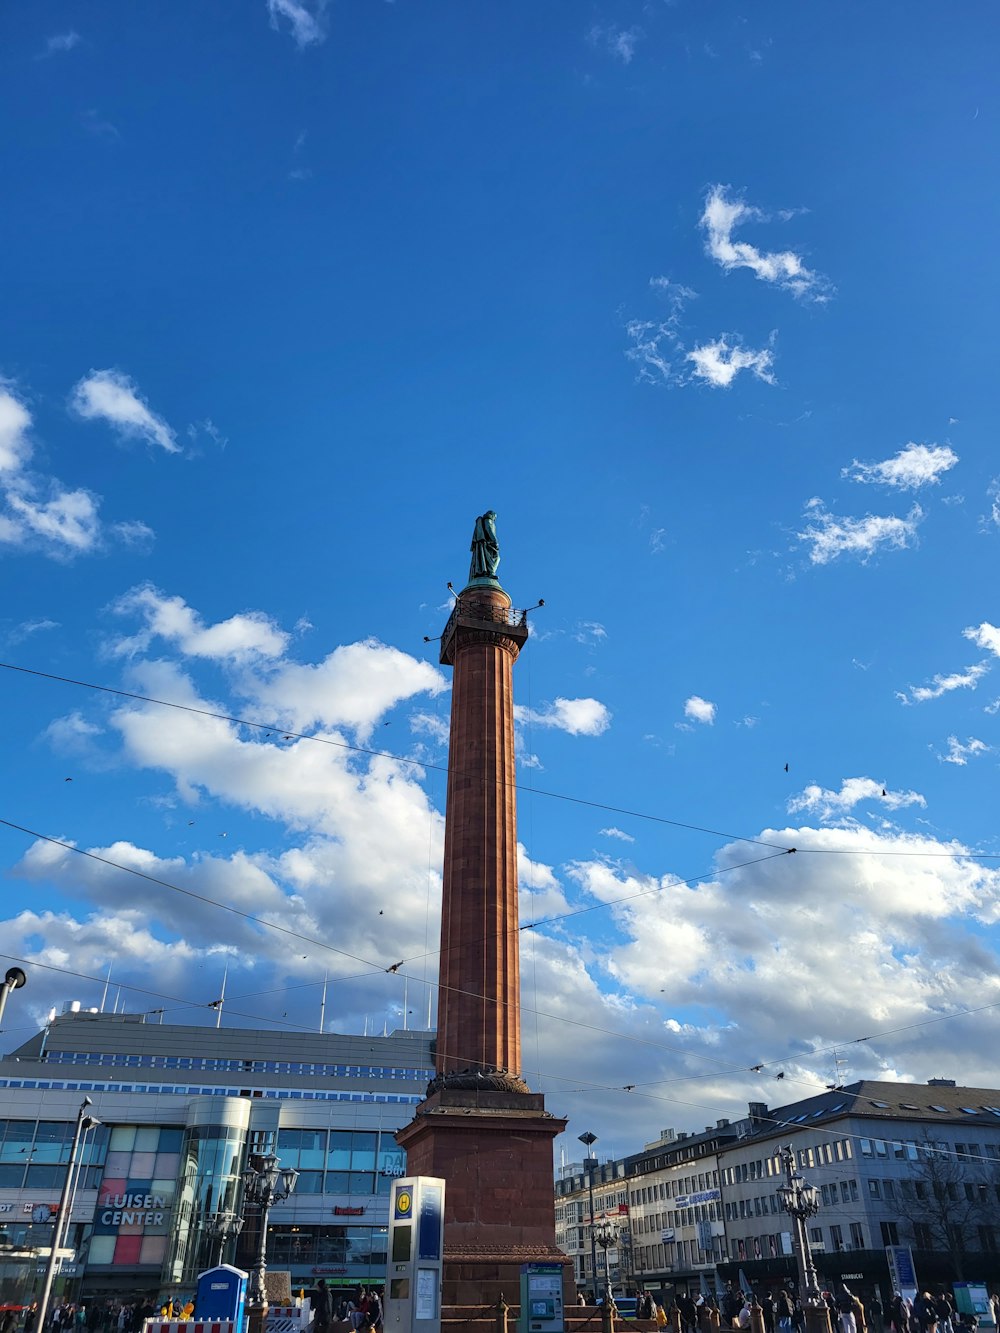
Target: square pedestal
494,1152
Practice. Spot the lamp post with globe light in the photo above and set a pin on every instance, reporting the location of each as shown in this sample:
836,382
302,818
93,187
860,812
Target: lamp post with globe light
222,1228
266,1185
14,980
801,1200
606,1235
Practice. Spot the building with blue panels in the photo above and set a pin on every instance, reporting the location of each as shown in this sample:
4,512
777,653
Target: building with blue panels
183,1111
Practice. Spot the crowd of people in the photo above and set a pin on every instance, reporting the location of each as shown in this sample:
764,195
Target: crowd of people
782,1311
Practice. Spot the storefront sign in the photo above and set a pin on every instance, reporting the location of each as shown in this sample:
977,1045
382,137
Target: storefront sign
115,1210
703,1196
349,1212
327,1270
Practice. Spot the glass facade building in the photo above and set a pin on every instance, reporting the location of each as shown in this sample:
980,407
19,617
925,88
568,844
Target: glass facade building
168,1156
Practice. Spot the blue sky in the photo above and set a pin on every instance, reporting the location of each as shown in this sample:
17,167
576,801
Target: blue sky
699,298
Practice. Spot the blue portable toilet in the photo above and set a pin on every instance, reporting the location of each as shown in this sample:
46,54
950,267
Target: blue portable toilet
221,1294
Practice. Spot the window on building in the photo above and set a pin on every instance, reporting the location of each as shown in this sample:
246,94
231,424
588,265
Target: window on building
889,1189
890,1233
857,1236
836,1238
866,1147
875,1189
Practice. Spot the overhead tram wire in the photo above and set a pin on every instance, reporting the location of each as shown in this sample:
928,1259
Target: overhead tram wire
725,1066
375,967
274,727
628,1089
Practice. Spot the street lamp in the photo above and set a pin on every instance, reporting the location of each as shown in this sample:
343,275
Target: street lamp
801,1200
606,1235
268,1184
222,1227
85,1122
14,980
589,1163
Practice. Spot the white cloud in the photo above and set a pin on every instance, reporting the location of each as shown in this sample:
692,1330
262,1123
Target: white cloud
663,358
306,19
618,833
827,804
239,638
67,522
656,543
993,495
700,710
722,215
578,717
529,760
618,42
133,532
959,753
830,537
590,631
985,636
430,724
719,362
957,680
915,465
108,395
15,419
62,41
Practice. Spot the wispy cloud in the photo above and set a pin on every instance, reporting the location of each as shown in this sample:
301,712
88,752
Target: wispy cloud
61,41
829,537
827,804
618,42
663,359
618,833
590,631
94,123
914,466
656,542
700,710
784,268
108,395
578,717
306,19
959,753
940,684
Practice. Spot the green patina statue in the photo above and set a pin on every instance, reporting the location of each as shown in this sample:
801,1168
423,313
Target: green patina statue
485,548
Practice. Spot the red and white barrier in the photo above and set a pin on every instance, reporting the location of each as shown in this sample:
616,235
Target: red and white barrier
189,1326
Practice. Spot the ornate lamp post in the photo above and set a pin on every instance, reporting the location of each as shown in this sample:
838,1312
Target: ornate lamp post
222,1227
606,1235
801,1200
268,1184
589,1164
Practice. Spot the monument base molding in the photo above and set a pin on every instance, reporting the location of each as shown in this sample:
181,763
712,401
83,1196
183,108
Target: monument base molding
494,1151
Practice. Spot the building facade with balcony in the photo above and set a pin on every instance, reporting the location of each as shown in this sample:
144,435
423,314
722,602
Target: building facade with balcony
183,1110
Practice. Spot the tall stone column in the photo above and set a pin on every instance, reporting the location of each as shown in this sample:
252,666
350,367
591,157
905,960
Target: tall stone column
480,1128
479,1026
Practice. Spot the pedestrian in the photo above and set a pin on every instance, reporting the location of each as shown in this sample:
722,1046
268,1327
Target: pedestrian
580,1298
784,1309
925,1313
322,1306
899,1315
945,1313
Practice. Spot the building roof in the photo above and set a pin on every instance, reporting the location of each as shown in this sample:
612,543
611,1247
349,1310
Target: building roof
932,1103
